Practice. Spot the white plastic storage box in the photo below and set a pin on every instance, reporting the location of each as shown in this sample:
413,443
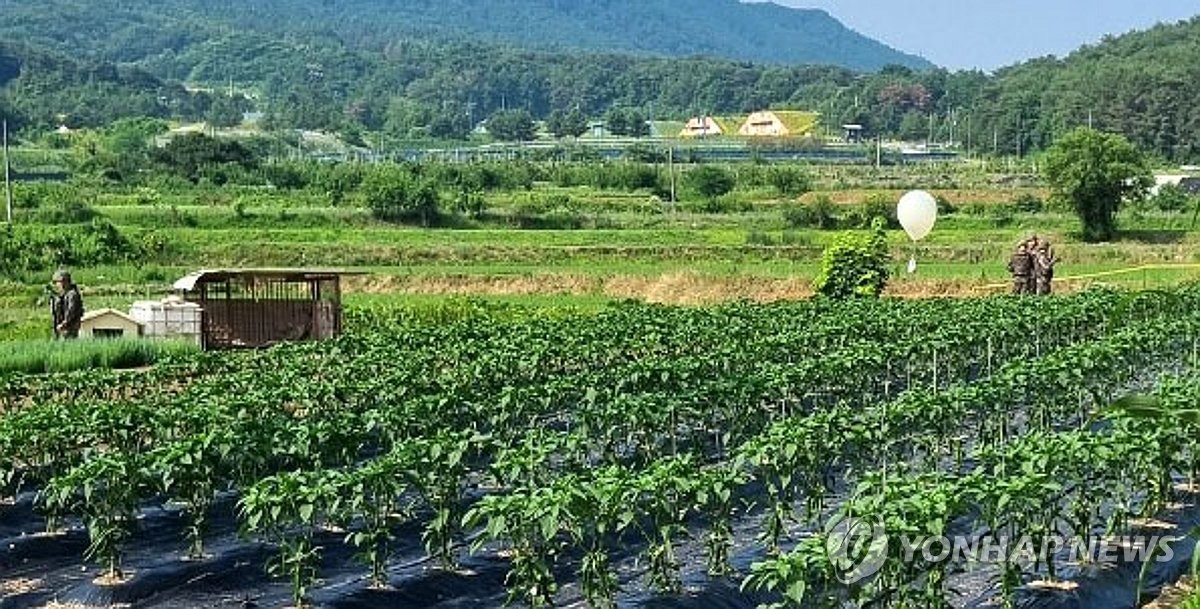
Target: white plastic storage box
169,318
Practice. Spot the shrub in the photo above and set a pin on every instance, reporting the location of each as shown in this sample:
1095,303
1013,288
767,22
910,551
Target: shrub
825,212
710,181
1029,204
855,265
819,214
880,206
396,195
66,211
789,181
1171,198
945,207
721,205
196,155
1002,215
26,249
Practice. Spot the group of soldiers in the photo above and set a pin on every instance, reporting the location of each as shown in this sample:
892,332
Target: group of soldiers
1032,267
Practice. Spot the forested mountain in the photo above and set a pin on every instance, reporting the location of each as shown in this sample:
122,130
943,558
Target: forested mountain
422,85
132,30
47,89
1143,84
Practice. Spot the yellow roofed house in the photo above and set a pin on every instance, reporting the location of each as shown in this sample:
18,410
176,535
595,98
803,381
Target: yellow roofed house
701,126
780,123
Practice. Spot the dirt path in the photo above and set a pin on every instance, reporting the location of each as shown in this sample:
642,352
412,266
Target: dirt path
684,288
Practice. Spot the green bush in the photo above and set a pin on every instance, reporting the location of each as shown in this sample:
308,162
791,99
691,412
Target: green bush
726,204
65,211
977,209
1029,204
397,195
710,181
1171,198
196,155
819,214
1002,216
627,176
757,237
855,265
789,181
879,206
945,207
26,249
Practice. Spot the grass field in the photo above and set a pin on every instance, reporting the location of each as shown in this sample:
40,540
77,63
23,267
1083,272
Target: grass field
613,245
44,356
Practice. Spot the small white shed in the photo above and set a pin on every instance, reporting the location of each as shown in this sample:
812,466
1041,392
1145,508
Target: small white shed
109,323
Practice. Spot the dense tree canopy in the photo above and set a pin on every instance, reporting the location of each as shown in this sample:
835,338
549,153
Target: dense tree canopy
1094,172
511,126
765,33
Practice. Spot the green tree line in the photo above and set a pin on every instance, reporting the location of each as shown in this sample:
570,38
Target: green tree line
1140,85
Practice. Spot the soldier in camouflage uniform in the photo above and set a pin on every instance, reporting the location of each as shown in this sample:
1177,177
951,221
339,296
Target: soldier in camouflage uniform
1043,268
1021,267
66,306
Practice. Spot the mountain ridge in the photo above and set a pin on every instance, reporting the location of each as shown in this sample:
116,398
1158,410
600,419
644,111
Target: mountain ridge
725,29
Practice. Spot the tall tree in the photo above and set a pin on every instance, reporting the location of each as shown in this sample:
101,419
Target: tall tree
511,126
567,124
1094,172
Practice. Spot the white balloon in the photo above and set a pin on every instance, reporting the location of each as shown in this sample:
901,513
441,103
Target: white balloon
917,213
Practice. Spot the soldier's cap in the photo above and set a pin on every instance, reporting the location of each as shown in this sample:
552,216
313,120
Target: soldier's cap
62,276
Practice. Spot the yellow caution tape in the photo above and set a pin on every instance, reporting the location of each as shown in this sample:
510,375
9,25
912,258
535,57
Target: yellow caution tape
1144,267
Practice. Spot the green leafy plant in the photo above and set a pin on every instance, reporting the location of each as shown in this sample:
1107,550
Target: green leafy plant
854,265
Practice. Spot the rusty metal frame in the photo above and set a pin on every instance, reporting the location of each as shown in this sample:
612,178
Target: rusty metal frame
260,308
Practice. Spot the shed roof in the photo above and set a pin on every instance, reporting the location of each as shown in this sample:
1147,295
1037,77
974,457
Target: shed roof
188,282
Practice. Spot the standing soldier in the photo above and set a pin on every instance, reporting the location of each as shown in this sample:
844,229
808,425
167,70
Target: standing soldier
1043,268
66,307
1021,265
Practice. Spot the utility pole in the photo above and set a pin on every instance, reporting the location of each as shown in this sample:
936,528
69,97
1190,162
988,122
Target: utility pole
1020,136
671,169
7,176
968,136
951,120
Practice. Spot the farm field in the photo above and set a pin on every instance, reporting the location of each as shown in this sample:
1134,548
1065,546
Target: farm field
521,304
628,454
563,234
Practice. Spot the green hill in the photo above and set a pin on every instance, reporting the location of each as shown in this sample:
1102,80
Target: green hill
1142,84
46,89
134,30
415,69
